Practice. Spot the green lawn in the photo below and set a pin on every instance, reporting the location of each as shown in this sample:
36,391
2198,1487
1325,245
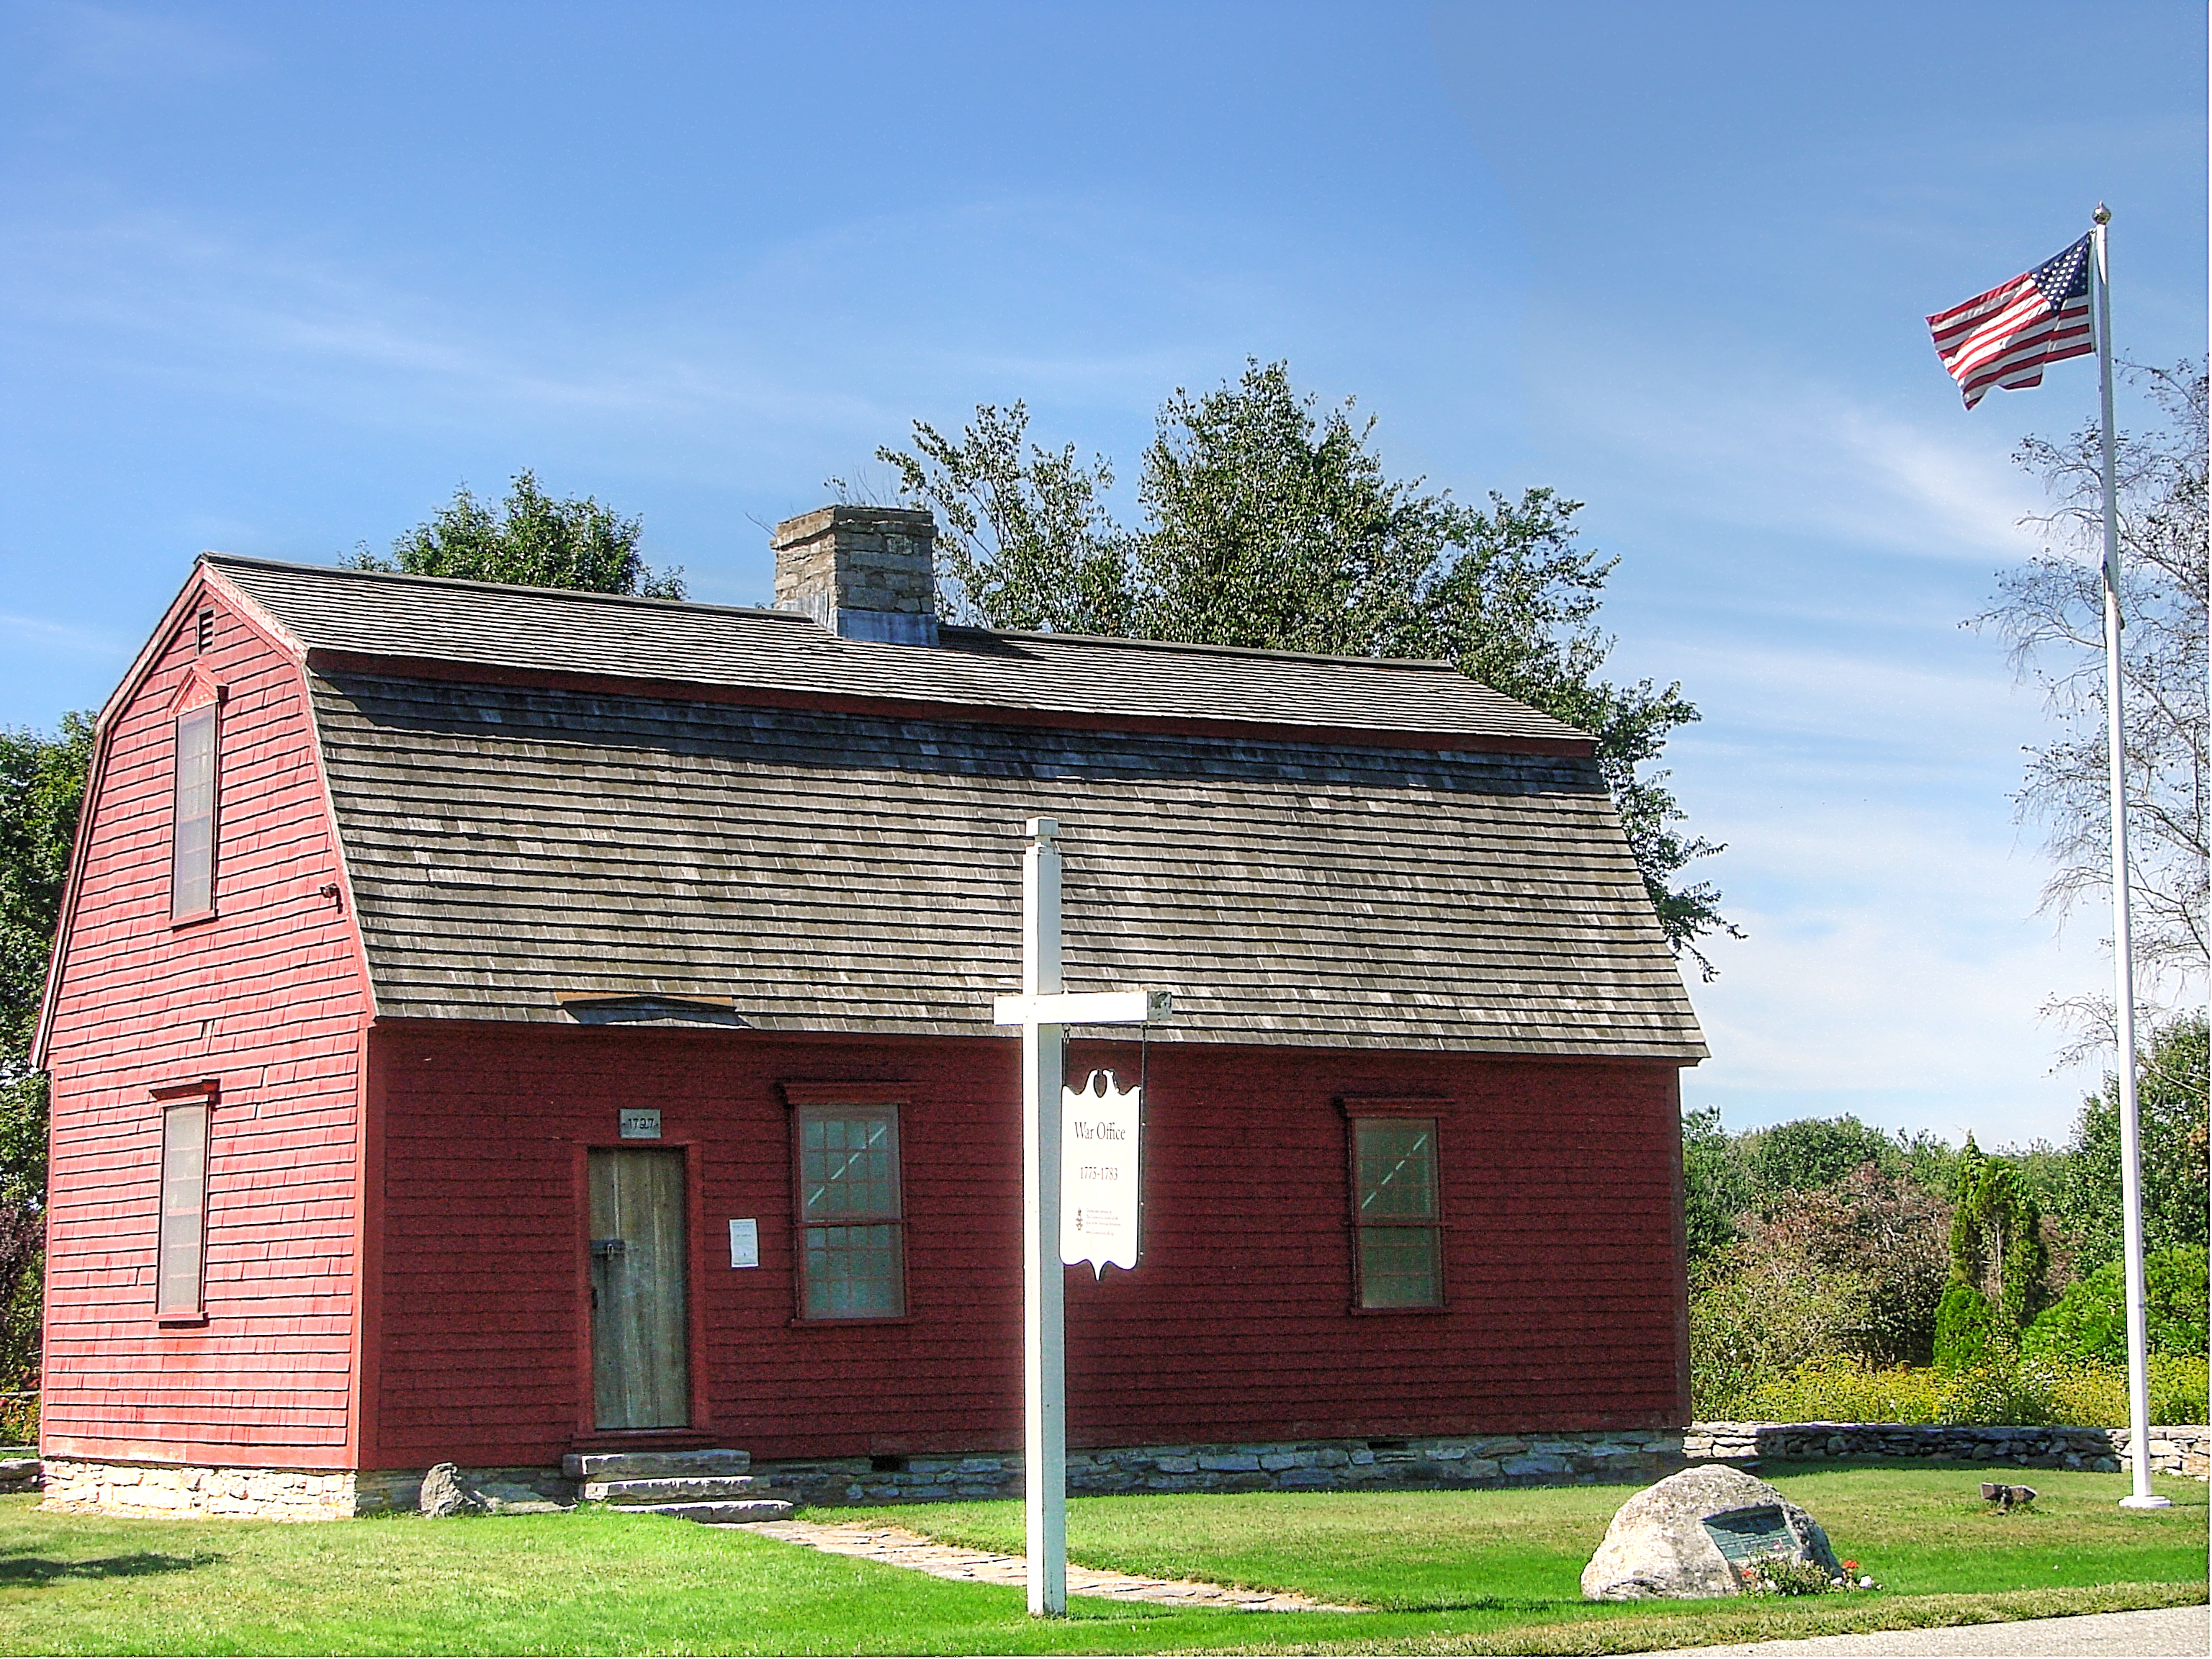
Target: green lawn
1918,1531
1448,1571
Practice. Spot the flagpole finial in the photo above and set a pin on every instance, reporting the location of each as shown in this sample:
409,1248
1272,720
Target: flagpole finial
2103,216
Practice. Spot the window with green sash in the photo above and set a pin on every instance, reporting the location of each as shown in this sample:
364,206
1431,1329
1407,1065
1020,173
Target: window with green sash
852,1245
1399,1247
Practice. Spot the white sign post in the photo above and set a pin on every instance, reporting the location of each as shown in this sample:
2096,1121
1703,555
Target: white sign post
1043,1010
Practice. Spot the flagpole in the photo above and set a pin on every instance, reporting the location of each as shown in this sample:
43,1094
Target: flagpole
2124,976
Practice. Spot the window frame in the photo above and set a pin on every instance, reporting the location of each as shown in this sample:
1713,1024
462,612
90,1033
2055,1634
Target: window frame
814,1103
172,1102
202,703
1355,1111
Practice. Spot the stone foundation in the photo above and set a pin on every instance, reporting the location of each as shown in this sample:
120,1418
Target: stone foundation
255,1494
179,1490
1416,1464
2185,1450
1419,1463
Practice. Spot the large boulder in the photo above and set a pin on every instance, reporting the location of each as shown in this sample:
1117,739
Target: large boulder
1685,1537
448,1491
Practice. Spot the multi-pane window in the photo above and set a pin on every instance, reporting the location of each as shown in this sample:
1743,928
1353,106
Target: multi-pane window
852,1246
1395,1212
191,861
179,1275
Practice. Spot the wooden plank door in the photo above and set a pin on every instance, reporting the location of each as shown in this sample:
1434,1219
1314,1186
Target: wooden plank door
641,1358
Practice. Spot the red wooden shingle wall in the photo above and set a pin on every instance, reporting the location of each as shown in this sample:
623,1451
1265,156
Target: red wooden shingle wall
1559,1189
266,1000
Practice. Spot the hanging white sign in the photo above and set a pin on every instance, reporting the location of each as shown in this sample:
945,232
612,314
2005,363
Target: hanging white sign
1101,1166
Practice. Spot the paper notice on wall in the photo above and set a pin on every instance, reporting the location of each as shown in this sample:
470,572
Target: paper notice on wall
1100,1169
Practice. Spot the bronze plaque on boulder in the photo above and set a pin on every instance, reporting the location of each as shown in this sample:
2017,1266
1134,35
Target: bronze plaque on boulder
1759,1534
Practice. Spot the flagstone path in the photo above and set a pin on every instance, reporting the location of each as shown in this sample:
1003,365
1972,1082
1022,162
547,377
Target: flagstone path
899,1547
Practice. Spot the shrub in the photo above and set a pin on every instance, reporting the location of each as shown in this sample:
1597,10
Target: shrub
1770,1311
19,1419
2031,1393
2090,1322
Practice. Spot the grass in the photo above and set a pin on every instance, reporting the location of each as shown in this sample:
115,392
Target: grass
1920,1531
1470,1572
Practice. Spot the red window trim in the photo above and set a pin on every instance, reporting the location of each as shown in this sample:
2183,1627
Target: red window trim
203,1092
1431,1109
797,1097
877,1093
199,695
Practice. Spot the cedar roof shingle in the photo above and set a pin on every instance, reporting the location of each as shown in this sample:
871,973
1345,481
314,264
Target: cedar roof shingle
553,630
510,846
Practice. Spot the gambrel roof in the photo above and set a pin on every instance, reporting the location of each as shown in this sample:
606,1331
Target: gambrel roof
547,797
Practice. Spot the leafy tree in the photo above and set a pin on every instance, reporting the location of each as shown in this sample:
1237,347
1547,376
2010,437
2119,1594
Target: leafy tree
42,792
1024,540
1275,530
1267,526
2170,1105
530,539
2051,613
1812,1153
2090,1322
1715,1190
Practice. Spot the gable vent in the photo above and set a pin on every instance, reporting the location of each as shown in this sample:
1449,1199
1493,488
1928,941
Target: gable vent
203,631
651,1010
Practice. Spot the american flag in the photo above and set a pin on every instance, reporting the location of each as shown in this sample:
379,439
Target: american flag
2005,337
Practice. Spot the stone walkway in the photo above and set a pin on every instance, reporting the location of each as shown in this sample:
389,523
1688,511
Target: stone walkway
902,1548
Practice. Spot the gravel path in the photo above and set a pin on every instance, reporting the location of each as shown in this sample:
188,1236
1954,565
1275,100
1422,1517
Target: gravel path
902,1548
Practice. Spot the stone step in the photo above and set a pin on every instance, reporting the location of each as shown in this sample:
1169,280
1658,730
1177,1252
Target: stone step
653,1466
673,1488
723,1513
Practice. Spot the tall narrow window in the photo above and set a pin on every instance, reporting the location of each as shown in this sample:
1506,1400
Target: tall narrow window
177,1272
191,861
1395,1212
852,1248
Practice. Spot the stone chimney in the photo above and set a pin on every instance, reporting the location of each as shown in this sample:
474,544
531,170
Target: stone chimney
868,573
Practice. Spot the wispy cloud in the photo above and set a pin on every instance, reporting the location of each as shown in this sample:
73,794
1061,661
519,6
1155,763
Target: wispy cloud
1743,445
45,635
123,43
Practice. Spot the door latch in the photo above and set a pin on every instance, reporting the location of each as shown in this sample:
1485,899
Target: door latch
608,1250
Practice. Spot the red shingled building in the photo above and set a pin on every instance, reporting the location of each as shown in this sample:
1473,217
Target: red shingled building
490,1023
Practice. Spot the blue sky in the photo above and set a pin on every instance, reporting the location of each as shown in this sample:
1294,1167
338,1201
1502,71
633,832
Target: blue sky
276,278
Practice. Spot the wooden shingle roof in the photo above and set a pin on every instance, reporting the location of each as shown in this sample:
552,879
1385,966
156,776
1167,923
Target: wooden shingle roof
516,842
667,642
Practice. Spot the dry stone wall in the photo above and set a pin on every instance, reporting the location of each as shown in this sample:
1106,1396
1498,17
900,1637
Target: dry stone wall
2179,1450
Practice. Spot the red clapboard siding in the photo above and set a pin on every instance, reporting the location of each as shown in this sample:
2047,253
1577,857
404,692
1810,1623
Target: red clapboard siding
274,976
1559,1185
